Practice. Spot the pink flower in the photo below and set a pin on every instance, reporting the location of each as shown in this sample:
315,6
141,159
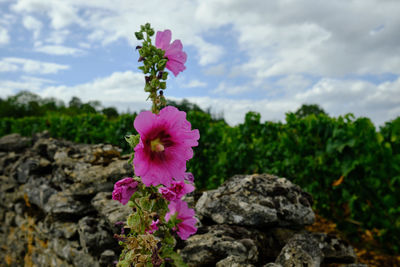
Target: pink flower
167,193
124,189
153,227
186,215
181,188
176,191
166,142
176,57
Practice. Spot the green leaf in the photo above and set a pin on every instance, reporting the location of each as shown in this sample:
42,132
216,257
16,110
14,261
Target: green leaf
161,64
139,35
132,140
133,220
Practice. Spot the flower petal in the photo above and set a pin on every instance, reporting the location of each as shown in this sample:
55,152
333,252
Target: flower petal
171,128
175,67
163,39
144,122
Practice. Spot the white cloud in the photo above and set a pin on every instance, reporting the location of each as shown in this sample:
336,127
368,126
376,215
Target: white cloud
58,36
58,50
32,24
195,83
379,102
4,36
215,70
121,89
108,21
84,45
6,66
61,13
332,39
226,89
8,87
281,45
209,53
280,37
293,83
234,110
10,64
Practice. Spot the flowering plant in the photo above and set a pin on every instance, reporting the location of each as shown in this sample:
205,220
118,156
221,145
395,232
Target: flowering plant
160,152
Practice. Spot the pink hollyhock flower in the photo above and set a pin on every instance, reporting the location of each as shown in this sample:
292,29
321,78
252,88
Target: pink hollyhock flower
153,227
189,177
165,144
167,193
187,225
124,189
176,57
176,191
181,188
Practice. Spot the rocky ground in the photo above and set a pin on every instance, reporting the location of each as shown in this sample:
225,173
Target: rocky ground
56,210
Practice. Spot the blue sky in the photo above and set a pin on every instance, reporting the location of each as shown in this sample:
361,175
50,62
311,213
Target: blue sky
264,56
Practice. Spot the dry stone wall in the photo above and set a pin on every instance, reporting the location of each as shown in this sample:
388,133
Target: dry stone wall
56,210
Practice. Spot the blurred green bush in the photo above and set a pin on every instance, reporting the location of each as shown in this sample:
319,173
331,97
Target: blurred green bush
351,168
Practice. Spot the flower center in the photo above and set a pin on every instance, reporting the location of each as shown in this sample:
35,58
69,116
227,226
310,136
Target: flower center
156,145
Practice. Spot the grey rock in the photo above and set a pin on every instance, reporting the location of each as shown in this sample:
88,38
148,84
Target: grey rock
233,261
301,250
111,210
107,258
2,214
63,206
25,169
9,218
48,258
355,265
90,179
93,235
71,252
39,192
14,142
19,220
7,160
47,147
272,240
257,201
272,264
83,259
19,208
217,243
7,185
335,249
65,229
59,229
32,166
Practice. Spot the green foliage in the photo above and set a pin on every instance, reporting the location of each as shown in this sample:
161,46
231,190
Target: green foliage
351,169
184,105
29,104
306,110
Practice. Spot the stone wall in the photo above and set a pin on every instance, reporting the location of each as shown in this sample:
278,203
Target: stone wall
56,210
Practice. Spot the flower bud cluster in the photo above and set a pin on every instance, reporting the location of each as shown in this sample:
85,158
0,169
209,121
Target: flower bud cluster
153,67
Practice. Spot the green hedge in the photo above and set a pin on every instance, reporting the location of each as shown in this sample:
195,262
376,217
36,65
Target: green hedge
351,169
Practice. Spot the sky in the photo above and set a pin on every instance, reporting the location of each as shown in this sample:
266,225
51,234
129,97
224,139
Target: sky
243,55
